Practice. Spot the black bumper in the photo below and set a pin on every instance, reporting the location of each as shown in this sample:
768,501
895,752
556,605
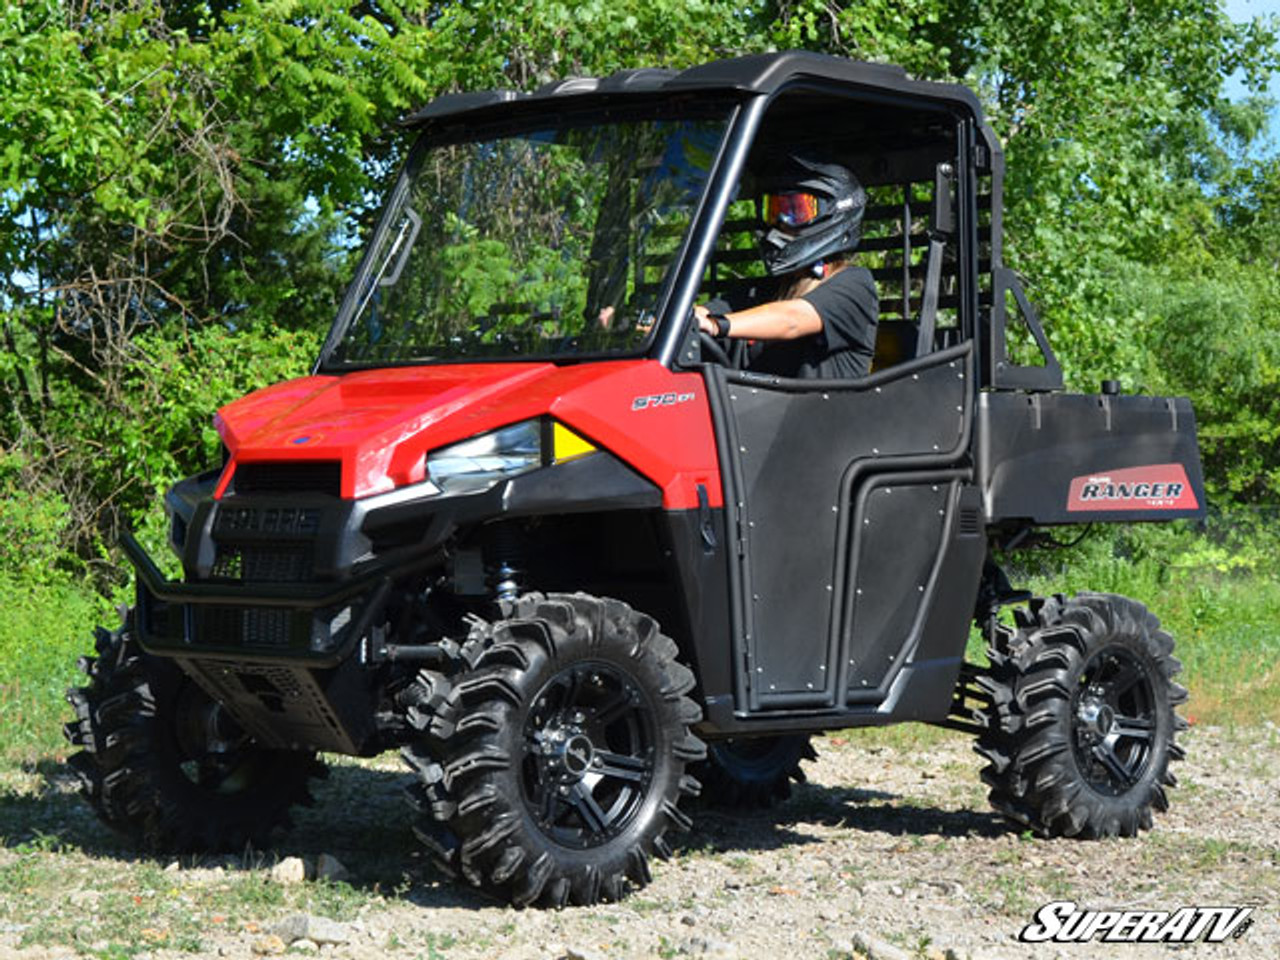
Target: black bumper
300,579
316,623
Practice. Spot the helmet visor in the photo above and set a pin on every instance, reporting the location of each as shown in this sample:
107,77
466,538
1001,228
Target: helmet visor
789,209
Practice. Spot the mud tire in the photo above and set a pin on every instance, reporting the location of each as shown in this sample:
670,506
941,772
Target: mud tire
1082,726
557,684
148,783
753,772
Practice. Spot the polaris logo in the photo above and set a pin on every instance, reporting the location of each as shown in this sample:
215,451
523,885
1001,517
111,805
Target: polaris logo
1064,922
660,400
1158,487
284,520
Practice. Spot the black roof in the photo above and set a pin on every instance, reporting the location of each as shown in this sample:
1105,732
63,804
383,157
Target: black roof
758,74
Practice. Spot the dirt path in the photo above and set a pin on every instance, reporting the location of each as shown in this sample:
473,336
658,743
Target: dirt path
888,847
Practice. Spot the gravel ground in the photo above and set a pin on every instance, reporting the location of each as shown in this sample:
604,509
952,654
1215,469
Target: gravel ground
888,851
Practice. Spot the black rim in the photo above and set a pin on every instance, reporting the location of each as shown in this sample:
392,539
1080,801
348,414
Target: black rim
213,753
1114,717
589,755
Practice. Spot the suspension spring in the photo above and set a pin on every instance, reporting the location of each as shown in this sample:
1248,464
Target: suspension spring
505,560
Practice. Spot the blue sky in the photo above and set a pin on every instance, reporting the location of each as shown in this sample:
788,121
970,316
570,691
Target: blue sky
1246,10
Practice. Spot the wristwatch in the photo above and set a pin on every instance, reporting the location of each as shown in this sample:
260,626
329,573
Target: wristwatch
722,324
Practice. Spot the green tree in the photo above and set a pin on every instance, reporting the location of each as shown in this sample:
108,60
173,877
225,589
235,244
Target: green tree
182,186
165,168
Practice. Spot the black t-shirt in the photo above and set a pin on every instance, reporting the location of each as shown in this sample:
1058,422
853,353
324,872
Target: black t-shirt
850,308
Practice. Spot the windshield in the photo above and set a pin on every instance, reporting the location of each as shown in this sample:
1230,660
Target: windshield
552,241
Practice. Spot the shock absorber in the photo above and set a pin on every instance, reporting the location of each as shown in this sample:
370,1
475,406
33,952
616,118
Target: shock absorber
504,553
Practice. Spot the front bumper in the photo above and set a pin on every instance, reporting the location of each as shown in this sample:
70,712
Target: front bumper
282,589
302,577
317,623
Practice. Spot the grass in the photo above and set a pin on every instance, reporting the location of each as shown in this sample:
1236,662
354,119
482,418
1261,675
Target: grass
1228,635
65,880
141,907
44,629
1223,609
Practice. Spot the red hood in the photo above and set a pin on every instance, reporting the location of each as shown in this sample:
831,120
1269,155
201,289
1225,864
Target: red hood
380,424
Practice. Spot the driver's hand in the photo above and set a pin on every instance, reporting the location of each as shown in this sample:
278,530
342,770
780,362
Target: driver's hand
705,323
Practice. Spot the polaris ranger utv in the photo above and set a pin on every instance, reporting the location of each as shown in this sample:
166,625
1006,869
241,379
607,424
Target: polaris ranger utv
570,556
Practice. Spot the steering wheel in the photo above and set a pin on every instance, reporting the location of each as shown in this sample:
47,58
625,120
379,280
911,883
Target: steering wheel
713,349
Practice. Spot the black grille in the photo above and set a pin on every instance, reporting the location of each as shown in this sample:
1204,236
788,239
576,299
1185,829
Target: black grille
253,564
255,629
306,476
228,564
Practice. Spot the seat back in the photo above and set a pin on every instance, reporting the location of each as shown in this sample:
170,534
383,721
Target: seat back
895,342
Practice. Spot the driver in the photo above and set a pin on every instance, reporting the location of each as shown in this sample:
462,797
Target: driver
822,323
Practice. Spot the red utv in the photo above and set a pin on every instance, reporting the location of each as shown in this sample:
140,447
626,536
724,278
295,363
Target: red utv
524,524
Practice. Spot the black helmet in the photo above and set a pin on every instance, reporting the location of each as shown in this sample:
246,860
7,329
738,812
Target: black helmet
810,211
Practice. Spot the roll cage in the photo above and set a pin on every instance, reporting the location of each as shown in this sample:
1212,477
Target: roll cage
932,233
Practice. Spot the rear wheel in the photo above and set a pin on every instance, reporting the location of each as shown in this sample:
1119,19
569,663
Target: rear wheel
552,770
163,764
1084,724
755,771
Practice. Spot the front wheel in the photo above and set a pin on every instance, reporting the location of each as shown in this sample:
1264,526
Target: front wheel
1084,723
560,761
164,765
755,771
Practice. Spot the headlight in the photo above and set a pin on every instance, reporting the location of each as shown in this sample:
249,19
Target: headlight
477,464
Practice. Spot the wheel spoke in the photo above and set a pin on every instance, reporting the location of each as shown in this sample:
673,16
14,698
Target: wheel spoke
1134,728
539,786
595,819
1124,680
614,706
563,693
573,690
1105,753
547,804
620,766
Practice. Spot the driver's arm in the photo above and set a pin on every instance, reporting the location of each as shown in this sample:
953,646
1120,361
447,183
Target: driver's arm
779,320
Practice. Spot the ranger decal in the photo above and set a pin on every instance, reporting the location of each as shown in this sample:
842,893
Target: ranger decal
1157,487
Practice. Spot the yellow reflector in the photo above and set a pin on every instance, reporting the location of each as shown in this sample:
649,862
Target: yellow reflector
567,445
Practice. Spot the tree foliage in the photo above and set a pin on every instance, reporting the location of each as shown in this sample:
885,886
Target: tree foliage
182,185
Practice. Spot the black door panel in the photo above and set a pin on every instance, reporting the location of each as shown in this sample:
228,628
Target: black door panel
802,454
897,540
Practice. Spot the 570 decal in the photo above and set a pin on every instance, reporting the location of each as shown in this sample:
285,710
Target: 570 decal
660,400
